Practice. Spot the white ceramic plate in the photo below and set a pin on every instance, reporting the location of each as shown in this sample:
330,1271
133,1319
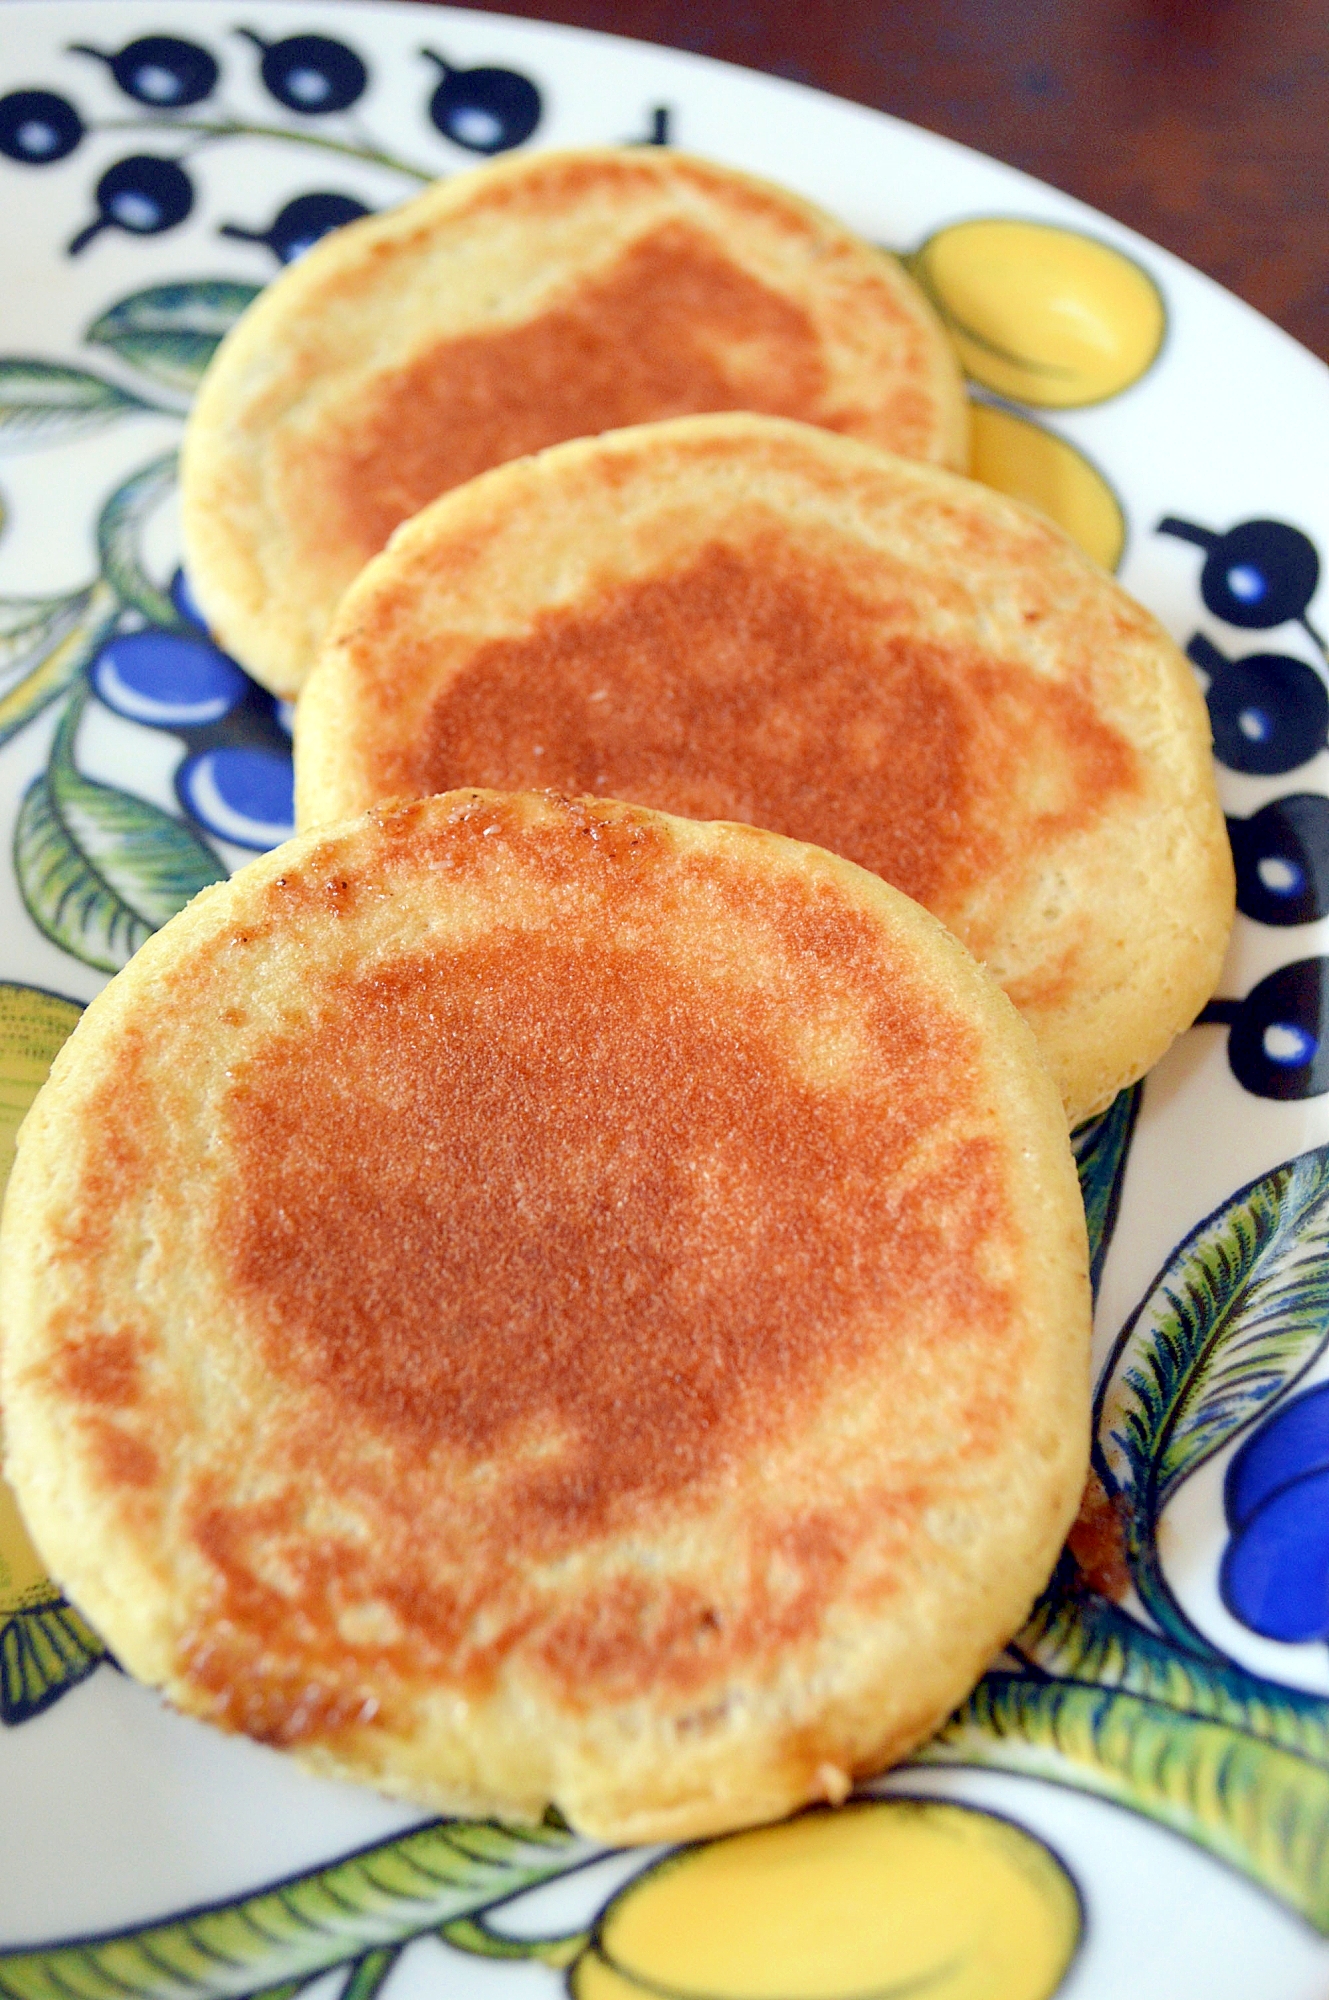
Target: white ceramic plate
1161,1731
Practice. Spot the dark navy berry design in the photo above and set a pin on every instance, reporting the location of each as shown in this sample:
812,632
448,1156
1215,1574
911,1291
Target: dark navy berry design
1269,711
159,70
484,110
659,133
310,73
1274,1576
299,225
1282,860
143,194
167,679
1258,574
1279,1041
241,794
38,127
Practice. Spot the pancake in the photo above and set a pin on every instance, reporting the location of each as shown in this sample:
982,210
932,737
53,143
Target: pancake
741,618
518,1300
549,296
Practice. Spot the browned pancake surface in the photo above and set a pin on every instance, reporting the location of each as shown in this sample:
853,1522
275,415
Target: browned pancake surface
742,618
673,329
517,1295
752,683
547,297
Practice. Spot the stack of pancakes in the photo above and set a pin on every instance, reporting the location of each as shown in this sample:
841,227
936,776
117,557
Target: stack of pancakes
572,1289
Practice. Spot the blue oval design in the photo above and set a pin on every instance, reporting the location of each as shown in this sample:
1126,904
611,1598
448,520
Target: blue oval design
167,679
242,795
1279,1043
1274,1576
1269,711
1294,1442
1260,573
1281,855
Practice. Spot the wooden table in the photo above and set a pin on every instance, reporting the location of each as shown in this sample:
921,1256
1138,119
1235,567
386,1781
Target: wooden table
1202,123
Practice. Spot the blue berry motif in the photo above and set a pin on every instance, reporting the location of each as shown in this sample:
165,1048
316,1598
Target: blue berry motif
159,70
484,110
1279,1044
300,224
167,680
144,195
310,74
236,779
241,794
1282,860
1274,1576
1258,574
37,127
1269,711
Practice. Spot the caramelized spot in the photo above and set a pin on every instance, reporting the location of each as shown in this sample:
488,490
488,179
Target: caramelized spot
544,1199
552,1241
124,1460
672,329
101,1369
756,685
1097,1541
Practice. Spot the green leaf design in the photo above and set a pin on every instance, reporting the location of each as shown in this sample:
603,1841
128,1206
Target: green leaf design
34,1026
43,1653
475,1936
1075,1634
369,1973
1261,1808
1238,1314
100,870
44,402
29,626
45,643
119,540
45,1646
348,1913
171,332
1101,1147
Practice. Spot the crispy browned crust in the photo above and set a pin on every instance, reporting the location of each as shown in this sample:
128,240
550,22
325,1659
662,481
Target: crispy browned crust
547,296
523,1300
738,617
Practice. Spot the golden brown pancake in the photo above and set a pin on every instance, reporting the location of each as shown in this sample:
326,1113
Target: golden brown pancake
741,618
523,1300
549,296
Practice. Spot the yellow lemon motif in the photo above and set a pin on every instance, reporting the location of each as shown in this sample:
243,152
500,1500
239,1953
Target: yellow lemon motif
33,1025
1040,313
879,1897
1020,458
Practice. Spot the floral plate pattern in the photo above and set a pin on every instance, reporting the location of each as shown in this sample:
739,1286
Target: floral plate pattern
1138,1790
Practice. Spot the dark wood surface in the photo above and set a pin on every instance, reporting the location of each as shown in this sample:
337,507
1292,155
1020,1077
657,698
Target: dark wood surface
1202,123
